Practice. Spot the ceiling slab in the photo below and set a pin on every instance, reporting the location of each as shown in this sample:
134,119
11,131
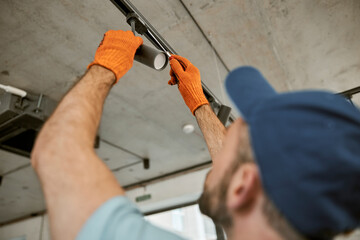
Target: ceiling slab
296,44
49,46
46,48
115,157
10,162
20,195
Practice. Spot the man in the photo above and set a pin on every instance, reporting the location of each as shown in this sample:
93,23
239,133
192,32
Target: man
289,170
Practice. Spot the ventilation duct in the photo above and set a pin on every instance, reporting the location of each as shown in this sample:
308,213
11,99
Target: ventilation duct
21,120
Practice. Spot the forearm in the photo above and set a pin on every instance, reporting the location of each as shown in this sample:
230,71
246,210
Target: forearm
212,129
187,77
76,119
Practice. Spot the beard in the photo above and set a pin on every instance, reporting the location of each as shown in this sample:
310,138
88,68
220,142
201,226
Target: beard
213,204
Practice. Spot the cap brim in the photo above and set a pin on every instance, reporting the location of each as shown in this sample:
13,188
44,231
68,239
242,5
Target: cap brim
247,87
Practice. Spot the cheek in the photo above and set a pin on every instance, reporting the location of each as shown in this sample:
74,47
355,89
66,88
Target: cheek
212,191
209,191
205,203
219,168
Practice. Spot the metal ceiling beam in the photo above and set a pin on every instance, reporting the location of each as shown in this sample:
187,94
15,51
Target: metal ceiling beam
144,28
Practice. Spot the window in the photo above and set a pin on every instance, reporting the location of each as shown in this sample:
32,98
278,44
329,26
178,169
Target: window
186,221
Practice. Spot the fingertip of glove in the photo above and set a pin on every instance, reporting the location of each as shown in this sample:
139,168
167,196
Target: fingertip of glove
92,64
140,40
172,82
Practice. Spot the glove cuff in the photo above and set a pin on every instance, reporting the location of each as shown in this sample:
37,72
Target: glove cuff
117,67
199,104
194,98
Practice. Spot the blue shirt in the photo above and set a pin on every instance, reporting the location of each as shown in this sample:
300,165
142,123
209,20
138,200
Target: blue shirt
118,218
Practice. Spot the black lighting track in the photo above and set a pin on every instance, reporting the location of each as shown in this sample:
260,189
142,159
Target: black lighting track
349,93
143,27
127,8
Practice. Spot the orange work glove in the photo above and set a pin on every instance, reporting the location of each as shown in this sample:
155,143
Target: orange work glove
116,51
187,77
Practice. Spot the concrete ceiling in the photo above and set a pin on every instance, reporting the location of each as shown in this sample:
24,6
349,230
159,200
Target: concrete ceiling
46,46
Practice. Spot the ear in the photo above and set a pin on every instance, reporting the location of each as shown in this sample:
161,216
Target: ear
244,187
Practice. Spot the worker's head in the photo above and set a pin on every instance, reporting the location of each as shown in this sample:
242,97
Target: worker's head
294,159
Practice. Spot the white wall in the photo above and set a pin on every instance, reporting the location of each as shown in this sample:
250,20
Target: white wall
175,191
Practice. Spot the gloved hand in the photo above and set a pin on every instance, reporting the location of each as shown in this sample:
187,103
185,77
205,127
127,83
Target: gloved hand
116,51
189,82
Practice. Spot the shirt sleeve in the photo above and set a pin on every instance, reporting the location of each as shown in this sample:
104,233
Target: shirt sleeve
118,218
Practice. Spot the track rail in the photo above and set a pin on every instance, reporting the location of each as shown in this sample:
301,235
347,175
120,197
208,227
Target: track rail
143,27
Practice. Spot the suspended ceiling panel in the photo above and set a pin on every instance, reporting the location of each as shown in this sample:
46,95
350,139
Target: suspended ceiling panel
46,46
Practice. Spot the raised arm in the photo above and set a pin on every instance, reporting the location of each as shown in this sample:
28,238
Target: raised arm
211,127
187,76
74,180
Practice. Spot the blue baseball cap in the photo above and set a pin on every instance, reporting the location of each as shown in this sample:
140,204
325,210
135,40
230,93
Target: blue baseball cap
307,146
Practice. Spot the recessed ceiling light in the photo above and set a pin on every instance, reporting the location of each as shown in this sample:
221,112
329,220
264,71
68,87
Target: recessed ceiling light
188,128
